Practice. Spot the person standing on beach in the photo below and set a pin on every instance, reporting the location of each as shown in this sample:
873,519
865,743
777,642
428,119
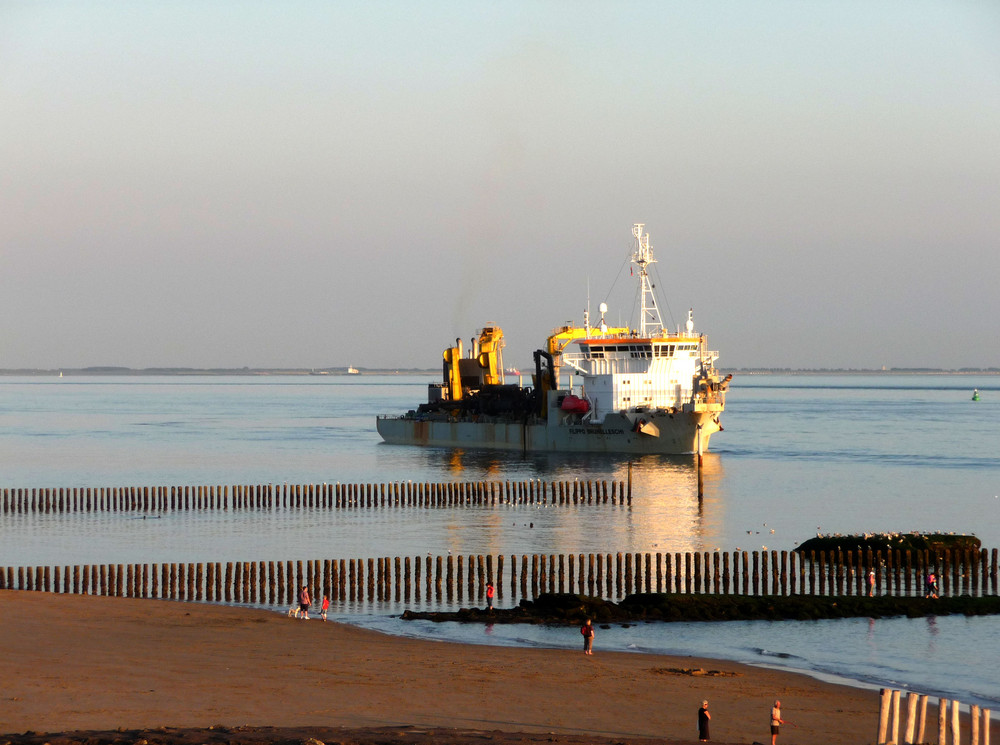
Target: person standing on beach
871,583
703,717
776,722
304,603
325,607
489,596
588,637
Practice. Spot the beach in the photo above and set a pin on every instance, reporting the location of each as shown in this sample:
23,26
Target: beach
73,663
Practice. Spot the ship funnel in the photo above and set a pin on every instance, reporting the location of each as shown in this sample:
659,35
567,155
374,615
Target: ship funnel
690,321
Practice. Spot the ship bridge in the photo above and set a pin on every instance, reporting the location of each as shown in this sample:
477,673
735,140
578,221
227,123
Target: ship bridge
629,373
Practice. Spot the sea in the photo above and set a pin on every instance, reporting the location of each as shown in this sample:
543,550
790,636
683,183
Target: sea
800,454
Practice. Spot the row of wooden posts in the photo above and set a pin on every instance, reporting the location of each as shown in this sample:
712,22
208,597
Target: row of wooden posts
948,720
455,577
311,496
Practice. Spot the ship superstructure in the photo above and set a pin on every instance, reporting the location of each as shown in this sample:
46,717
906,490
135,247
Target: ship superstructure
631,390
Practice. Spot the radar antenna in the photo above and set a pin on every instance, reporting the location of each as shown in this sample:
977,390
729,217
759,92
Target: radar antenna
650,323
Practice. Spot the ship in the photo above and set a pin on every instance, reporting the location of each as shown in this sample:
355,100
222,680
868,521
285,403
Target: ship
595,388
351,370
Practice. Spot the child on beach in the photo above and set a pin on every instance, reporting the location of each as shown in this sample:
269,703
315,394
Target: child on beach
588,637
326,606
489,596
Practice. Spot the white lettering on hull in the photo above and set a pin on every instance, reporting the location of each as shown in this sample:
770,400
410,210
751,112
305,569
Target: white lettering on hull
594,431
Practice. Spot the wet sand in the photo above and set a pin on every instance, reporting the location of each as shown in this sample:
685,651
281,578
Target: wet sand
79,663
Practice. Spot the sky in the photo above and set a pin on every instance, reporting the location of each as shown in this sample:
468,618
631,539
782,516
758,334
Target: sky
323,184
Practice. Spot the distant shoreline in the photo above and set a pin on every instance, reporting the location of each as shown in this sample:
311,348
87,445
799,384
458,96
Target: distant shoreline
890,371
248,372
342,372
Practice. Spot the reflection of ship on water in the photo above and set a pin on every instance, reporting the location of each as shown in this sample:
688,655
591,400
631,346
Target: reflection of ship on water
506,465
666,515
468,464
675,506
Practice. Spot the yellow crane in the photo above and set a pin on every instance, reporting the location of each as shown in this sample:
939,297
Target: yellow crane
483,367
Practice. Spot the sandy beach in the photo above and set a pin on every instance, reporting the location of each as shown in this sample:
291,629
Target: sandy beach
82,663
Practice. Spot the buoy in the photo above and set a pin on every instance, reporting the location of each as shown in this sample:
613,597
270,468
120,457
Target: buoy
975,394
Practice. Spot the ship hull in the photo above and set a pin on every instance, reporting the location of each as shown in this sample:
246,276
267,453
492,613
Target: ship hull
659,433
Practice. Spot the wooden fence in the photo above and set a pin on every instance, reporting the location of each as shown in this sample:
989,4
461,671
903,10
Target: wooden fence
948,720
450,578
311,496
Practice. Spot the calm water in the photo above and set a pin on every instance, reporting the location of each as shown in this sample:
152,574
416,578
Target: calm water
800,454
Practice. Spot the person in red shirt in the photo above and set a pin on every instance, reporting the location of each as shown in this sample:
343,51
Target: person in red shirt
588,637
489,596
326,606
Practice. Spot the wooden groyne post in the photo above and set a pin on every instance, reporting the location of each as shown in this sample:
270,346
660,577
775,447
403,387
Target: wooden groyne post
949,721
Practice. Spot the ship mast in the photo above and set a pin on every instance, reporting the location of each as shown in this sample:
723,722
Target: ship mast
649,318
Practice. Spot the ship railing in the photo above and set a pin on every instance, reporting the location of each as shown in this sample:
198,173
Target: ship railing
712,397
